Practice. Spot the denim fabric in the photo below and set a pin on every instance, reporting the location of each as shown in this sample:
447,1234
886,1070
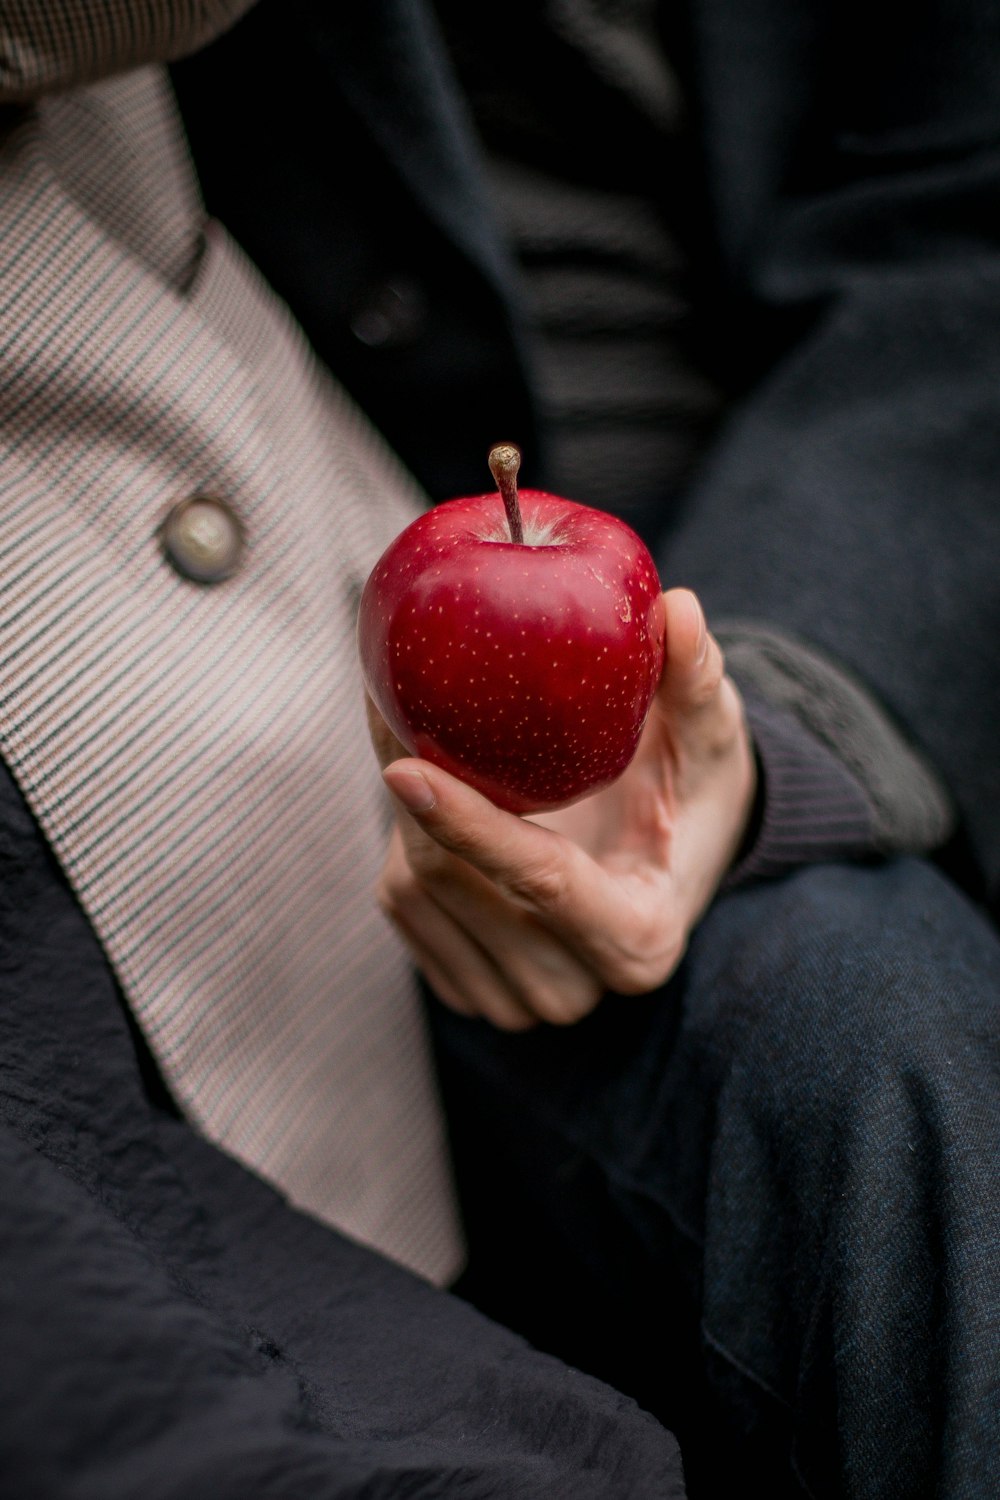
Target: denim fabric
766,1199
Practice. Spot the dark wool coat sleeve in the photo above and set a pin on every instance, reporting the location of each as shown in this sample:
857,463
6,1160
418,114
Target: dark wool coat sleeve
172,1329
852,160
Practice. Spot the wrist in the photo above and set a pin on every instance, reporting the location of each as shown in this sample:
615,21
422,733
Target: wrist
808,808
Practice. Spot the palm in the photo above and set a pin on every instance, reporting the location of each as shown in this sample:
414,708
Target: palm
627,827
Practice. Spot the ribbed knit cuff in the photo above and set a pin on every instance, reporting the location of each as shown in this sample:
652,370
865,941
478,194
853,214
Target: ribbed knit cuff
911,808
810,808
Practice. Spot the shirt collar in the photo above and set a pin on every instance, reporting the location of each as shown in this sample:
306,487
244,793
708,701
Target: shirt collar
49,45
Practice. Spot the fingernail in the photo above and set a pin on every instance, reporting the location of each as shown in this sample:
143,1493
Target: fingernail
412,789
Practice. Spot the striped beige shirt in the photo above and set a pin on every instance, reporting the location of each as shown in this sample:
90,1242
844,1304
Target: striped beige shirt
197,755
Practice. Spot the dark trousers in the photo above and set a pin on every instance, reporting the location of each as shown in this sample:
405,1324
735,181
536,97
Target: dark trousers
766,1200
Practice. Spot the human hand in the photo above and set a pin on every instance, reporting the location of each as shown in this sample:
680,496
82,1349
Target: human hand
521,920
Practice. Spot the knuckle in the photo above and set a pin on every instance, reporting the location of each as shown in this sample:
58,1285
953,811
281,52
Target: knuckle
639,971
731,702
387,898
511,1020
397,894
398,915
633,978
711,677
723,731
565,1005
543,885
428,863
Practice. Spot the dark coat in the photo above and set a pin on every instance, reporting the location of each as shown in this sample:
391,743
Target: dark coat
840,183
173,1329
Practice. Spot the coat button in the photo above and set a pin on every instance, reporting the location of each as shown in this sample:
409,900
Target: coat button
391,315
203,539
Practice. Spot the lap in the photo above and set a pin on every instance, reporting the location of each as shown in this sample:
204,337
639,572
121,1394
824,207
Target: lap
800,1125
802,997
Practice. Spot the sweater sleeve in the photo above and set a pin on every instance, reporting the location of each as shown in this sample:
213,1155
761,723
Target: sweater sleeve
837,778
809,808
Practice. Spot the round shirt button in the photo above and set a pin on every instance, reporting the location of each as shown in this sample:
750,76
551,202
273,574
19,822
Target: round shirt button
202,539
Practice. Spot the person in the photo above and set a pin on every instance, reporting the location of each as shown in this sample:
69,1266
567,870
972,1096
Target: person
759,1193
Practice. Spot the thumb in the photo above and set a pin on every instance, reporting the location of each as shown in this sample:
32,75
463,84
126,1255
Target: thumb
700,704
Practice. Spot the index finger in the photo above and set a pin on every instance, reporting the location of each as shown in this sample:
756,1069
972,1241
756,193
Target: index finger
622,938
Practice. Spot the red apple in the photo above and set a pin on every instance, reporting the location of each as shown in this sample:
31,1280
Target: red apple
522,662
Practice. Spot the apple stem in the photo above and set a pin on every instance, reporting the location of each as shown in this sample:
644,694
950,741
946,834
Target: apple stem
504,461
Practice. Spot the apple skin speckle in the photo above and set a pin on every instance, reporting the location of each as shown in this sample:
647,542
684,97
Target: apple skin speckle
452,591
